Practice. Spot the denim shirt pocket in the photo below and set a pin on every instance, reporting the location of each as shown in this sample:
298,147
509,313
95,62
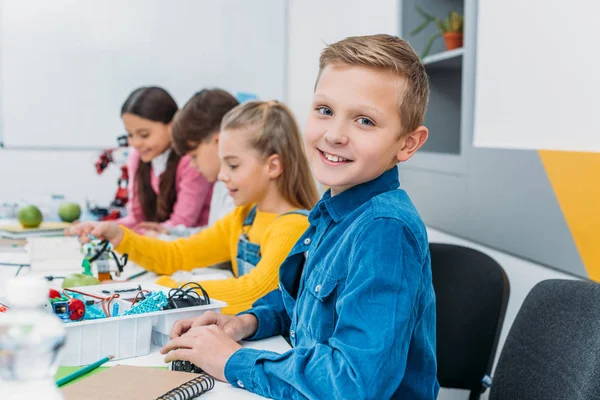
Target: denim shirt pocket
319,305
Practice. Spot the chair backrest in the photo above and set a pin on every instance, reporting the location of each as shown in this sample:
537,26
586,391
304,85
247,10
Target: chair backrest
471,292
553,348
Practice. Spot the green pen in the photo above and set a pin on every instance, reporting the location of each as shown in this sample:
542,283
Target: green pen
137,275
82,371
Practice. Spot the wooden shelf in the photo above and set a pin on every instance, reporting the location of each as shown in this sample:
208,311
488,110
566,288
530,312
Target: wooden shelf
446,60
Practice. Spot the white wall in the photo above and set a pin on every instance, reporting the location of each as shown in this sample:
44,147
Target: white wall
537,90
31,175
72,63
313,23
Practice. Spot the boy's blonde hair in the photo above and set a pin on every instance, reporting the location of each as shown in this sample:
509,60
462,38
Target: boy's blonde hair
273,130
387,53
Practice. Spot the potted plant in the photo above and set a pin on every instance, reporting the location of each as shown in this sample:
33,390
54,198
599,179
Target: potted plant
451,29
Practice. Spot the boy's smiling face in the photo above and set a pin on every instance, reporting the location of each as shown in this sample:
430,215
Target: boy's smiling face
353,132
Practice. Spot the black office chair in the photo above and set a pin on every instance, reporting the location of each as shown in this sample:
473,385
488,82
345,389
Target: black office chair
471,296
553,348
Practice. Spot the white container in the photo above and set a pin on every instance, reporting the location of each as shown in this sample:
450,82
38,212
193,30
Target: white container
125,336
161,330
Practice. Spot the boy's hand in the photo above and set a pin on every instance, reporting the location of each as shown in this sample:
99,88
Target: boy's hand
102,230
236,327
151,226
208,347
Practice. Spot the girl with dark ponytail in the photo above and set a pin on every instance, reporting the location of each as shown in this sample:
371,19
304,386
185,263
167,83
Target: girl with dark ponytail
165,187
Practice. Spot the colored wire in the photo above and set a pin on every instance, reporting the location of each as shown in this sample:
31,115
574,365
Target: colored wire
82,293
106,304
105,301
135,299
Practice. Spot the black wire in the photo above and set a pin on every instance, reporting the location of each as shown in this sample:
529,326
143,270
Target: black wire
52,277
193,287
20,268
121,262
188,292
104,244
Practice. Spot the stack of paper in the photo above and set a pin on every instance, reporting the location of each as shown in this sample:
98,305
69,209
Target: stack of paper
54,254
16,231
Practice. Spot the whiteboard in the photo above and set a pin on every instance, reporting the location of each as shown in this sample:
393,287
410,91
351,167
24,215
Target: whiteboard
537,80
68,65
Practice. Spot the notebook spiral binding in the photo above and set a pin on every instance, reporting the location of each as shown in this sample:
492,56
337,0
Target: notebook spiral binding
191,389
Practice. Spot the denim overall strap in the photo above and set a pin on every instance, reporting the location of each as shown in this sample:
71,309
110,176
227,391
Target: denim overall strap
249,220
248,254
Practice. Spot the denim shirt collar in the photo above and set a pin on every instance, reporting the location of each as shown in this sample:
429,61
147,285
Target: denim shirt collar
349,200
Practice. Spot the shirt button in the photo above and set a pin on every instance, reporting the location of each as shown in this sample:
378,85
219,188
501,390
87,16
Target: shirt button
292,334
307,241
240,383
317,288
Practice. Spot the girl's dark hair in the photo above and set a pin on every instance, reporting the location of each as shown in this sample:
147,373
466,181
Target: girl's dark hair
200,118
155,104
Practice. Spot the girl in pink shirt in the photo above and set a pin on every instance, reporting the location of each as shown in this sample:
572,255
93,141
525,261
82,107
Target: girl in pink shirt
165,188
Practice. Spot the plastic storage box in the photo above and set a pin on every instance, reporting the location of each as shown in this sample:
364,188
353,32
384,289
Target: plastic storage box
124,336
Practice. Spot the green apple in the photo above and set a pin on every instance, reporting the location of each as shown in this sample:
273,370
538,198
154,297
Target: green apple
69,212
75,280
30,217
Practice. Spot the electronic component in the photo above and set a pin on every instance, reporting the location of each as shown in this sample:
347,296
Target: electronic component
78,306
185,366
135,289
154,301
68,309
101,252
187,296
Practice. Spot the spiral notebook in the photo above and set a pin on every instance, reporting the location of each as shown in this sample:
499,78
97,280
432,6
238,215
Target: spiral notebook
125,382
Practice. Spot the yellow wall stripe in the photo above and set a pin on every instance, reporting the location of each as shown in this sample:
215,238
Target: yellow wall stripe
575,178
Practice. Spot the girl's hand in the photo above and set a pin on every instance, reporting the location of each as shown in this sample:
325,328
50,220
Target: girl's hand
236,327
151,226
151,233
102,230
208,347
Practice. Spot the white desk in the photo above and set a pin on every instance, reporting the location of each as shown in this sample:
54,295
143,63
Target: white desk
221,390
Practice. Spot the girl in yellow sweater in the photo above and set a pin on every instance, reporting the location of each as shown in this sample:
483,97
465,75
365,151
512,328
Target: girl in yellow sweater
264,167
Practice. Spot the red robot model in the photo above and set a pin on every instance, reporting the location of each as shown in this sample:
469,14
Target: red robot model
116,156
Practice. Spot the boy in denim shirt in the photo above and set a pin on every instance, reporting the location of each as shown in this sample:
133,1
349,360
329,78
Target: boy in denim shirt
355,296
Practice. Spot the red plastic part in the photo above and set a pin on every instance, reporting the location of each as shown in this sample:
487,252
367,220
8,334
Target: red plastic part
76,309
